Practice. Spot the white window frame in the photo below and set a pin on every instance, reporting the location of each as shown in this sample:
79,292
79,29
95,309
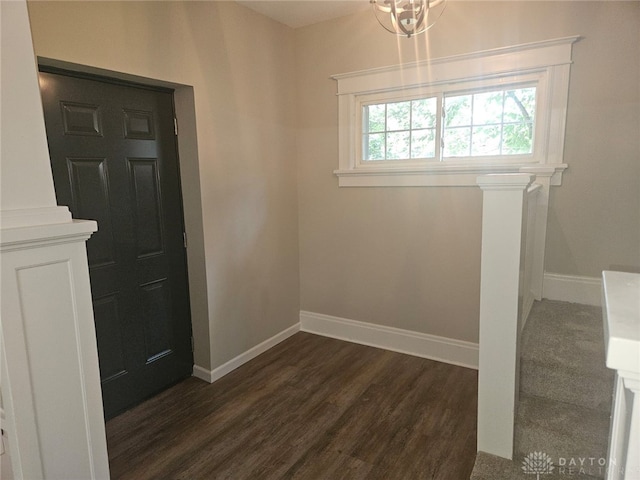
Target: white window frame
387,97
543,64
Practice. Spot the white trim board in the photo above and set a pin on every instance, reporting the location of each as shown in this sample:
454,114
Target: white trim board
567,288
447,350
219,372
571,288
545,64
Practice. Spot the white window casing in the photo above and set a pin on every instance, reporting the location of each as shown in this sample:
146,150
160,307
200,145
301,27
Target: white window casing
544,65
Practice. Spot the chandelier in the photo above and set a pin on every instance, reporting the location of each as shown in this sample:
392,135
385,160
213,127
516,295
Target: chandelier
407,17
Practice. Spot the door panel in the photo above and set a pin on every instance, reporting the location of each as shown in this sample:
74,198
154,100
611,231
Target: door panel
113,157
90,198
143,174
109,334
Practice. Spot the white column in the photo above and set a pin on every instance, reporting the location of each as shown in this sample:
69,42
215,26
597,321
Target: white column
49,365
51,381
621,308
502,217
27,195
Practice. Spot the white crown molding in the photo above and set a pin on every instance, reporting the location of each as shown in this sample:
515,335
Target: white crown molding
497,62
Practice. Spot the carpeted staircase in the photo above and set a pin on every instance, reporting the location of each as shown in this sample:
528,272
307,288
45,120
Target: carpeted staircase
565,397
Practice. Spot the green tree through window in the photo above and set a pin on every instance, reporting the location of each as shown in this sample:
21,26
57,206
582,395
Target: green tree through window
476,124
400,130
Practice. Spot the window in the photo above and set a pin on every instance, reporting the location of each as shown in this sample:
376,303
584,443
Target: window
494,123
445,121
400,130
487,123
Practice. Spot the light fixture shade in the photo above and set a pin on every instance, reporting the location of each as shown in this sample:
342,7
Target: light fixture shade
408,17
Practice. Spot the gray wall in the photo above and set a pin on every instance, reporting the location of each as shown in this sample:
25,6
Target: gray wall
409,257
279,235
243,212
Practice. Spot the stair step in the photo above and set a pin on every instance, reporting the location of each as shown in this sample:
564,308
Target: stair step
569,434
565,397
563,356
490,467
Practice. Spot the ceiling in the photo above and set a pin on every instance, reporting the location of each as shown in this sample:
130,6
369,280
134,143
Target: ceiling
299,13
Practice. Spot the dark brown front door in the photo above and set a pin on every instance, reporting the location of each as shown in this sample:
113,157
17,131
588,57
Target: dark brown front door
114,160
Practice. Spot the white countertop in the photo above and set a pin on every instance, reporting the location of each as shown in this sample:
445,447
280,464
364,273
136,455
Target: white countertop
622,320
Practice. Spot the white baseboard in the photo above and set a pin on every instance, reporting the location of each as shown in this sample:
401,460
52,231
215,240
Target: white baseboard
219,372
447,350
202,373
574,289
567,288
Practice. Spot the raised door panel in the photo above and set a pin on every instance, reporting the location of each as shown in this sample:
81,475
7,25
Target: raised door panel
145,187
110,337
156,300
90,200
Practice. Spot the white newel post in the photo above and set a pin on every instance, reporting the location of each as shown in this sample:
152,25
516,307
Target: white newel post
502,220
621,309
50,382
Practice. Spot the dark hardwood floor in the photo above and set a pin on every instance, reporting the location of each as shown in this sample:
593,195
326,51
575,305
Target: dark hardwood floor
309,408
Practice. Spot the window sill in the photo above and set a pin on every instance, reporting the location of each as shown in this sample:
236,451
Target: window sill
440,175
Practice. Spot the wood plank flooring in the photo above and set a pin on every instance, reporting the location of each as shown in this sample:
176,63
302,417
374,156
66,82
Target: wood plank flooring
309,408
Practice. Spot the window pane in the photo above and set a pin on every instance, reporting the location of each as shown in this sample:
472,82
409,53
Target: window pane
501,122
517,139
486,140
457,111
374,116
423,143
374,146
457,142
520,105
398,116
398,145
423,113
487,108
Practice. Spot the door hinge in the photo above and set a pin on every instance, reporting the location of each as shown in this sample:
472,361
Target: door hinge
175,126
184,239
